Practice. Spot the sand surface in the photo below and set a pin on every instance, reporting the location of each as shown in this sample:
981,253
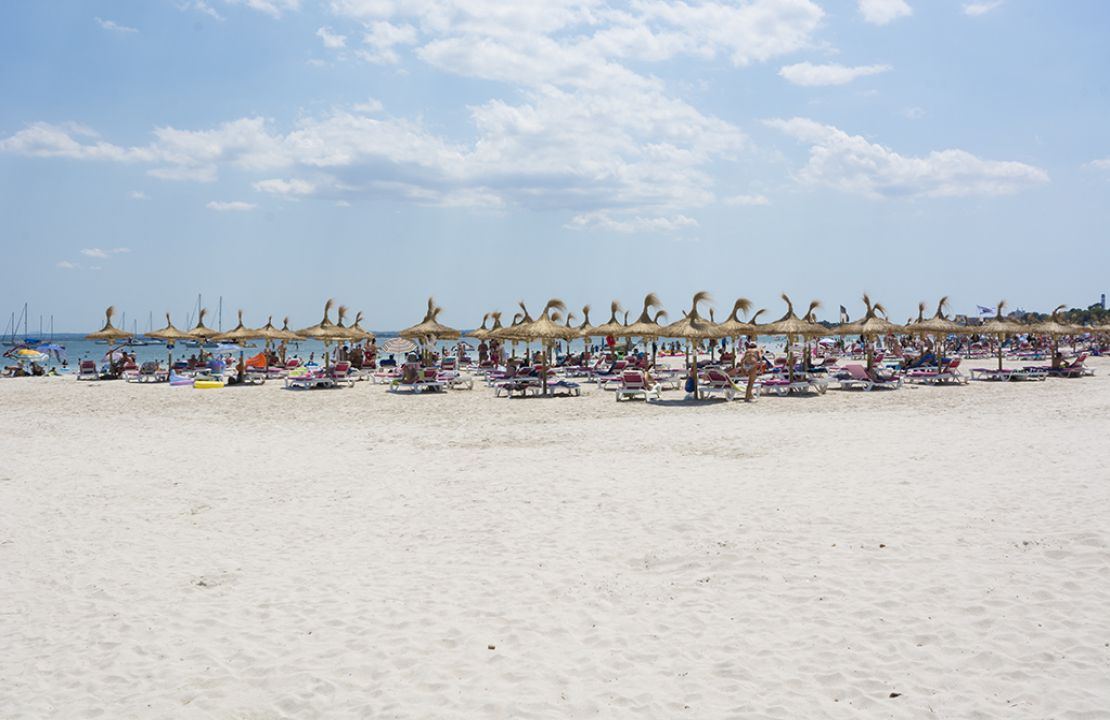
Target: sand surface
261,553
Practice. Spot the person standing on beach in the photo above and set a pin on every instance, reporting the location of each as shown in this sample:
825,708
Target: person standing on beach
750,365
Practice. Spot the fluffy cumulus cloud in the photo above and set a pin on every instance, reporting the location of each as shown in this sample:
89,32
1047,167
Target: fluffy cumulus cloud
1103,164
230,206
853,164
975,9
809,75
578,118
330,39
882,12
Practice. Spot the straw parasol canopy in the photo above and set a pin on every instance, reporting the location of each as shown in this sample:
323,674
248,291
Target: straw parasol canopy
646,326
514,331
348,333
109,332
1001,327
239,334
269,333
614,327
793,326
547,330
1053,326
169,335
871,326
586,330
358,333
938,326
481,333
202,333
430,328
691,328
734,327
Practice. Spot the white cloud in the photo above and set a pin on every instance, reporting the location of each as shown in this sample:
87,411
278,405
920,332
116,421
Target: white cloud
602,220
331,40
369,107
67,265
273,8
981,8
809,75
202,7
114,26
342,204
853,164
1103,164
748,200
137,195
103,254
914,113
576,128
881,12
293,186
232,206
381,40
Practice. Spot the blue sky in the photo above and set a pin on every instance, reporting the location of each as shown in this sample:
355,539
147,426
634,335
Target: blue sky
280,152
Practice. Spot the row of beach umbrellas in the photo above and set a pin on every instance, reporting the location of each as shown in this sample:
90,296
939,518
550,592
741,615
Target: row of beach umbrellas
555,324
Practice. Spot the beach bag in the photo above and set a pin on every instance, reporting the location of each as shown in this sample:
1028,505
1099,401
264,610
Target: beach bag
691,384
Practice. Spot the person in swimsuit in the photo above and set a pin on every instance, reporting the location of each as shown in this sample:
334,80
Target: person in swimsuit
750,365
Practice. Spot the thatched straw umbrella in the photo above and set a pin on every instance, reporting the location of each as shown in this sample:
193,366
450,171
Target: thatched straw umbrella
734,327
1054,328
870,327
938,326
647,327
325,331
202,333
512,332
429,330
793,327
1001,327
239,335
287,336
612,328
693,327
269,334
358,333
547,330
109,333
482,332
169,335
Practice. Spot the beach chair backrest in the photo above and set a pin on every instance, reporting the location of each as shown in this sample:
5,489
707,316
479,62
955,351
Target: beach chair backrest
429,374
716,377
293,364
857,372
342,368
1079,360
88,365
449,363
954,364
632,379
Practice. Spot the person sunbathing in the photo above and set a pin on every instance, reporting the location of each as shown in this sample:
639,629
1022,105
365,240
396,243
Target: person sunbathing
410,373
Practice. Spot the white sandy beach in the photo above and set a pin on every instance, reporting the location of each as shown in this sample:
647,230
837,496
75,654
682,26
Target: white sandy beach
261,553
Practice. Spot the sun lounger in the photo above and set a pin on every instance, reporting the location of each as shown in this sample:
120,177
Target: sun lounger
949,374
426,382
1009,374
305,379
87,371
857,377
149,372
342,373
634,384
717,382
